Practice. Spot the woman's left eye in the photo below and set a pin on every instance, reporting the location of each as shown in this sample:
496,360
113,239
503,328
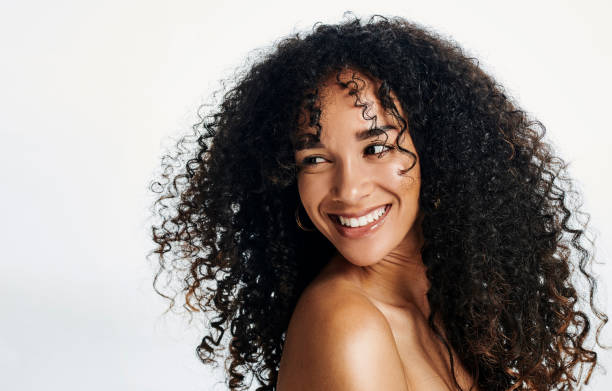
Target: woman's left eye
377,149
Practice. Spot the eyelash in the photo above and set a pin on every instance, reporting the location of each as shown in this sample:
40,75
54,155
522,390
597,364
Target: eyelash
306,161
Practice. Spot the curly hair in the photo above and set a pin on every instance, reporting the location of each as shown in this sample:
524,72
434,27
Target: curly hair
499,223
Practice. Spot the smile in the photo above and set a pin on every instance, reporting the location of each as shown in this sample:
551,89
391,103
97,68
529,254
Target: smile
362,220
358,226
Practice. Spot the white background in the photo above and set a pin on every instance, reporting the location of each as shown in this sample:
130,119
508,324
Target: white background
91,94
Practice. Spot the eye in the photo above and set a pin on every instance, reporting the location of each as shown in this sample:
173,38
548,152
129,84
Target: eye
312,160
378,149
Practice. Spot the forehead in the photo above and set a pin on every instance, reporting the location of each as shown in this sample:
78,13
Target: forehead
351,94
349,88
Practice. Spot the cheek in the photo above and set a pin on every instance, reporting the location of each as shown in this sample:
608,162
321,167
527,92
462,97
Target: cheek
307,188
395,176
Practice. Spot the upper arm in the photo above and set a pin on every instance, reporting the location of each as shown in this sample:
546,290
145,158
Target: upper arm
341,345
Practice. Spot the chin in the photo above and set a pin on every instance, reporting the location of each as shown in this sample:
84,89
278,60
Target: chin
360,257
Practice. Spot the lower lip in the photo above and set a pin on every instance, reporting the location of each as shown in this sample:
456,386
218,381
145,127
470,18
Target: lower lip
359,232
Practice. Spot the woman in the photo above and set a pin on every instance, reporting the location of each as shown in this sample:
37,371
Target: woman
368,210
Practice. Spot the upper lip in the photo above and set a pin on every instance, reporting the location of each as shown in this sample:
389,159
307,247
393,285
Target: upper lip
358,214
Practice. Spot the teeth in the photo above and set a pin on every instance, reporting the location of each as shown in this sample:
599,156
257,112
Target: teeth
363,220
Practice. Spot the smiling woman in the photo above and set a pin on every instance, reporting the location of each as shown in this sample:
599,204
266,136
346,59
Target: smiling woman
356,183
367,210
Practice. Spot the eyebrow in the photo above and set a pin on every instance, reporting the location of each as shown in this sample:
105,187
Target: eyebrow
310,140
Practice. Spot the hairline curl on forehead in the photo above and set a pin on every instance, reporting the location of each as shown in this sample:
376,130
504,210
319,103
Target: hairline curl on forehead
357,82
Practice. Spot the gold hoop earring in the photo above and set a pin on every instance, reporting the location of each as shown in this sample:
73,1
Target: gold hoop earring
299,223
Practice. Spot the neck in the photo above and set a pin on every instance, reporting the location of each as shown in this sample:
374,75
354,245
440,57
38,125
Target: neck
399,279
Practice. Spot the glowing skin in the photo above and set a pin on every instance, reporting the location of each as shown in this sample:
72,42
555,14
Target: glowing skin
379,238
346,176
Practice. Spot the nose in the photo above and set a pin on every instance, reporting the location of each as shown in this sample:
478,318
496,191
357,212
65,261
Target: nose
352,182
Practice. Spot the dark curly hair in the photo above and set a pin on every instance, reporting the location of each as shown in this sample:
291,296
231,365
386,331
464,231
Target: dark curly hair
504,239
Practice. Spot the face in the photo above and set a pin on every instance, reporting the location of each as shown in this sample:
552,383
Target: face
353,184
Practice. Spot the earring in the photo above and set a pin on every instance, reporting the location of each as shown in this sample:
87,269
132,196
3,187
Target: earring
437,203
299,223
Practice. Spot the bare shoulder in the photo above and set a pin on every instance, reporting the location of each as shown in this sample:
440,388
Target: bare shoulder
338,340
